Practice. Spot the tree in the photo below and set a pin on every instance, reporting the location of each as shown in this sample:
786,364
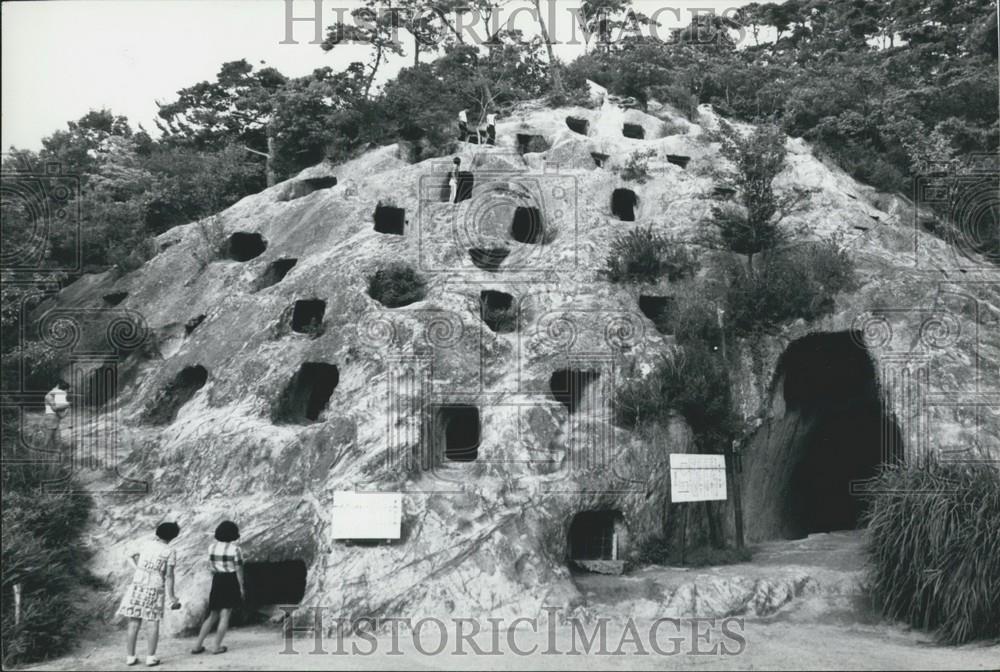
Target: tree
371,26
236,108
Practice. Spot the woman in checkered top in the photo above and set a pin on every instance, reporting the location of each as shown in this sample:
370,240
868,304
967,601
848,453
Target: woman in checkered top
226,560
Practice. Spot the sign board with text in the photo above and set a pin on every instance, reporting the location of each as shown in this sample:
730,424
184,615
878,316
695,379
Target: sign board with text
697,477
367,515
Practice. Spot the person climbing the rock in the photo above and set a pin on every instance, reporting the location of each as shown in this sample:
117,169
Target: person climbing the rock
453,179
463,126
56,408
153,582
228,588
491,129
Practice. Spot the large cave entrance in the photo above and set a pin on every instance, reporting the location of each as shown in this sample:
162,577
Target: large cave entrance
162,410
805,468
271,583
568,387
307,394
244,246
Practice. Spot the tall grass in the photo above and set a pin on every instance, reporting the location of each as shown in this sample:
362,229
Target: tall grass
934,551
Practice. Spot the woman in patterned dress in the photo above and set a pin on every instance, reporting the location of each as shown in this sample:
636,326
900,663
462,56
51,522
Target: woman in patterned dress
153,582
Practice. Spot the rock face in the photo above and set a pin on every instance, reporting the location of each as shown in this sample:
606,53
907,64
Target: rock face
304,385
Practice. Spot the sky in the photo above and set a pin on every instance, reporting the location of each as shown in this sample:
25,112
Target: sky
61,59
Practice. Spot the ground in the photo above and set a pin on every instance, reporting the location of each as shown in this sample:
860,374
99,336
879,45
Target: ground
823,622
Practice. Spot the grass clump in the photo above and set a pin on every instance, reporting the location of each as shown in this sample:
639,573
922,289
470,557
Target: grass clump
643,256
396,285
934,549
636,168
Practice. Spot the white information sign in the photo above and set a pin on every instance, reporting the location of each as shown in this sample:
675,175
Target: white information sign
696,477
367,515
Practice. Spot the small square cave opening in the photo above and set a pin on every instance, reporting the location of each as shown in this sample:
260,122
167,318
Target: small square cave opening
623,202
634,131
456,432
569,385
578,125
275,273
307,316
307,394
243,246
498,311
527,226
390,219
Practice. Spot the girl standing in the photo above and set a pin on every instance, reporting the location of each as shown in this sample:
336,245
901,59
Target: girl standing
153,582
228,592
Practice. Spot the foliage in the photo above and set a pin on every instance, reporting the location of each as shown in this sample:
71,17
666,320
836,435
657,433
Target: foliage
396,285
642,255
787,284
636,168
43,553
693,383
934,549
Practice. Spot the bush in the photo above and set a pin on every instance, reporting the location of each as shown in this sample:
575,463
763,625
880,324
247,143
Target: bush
42,552
934,549
644,256
786,285
396,285
636,168
695,384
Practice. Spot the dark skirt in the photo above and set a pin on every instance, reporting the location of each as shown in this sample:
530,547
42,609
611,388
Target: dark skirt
225,592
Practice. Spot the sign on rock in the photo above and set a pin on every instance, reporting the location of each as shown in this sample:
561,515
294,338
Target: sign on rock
366,515
697,478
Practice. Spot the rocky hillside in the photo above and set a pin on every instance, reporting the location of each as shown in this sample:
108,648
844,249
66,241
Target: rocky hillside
262,377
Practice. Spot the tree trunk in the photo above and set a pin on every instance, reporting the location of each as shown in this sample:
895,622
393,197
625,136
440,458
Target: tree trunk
416,51
556,74
269,162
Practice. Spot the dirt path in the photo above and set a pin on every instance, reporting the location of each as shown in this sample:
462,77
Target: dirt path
776,645
826,626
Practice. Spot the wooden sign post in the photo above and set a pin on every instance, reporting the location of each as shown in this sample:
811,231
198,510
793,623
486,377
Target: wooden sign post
696,477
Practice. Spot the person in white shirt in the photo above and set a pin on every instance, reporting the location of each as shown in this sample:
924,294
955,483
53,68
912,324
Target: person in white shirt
453,179
463,126
491,129
56,408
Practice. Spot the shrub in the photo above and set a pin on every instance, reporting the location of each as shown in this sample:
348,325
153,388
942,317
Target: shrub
396,285
786,285
636,168
934,549
641,255
42,552
695,384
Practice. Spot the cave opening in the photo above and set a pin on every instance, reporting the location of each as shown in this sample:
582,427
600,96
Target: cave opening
465,181
275,273
596,535
569,385
245,246
307,394
678,160
193,324
457,432
834,434
165,406
634,131
307,316
317,183
528,143
114,298
599,158
623,202
578,125
498,311
659,309
101,385
527,227
389,219
271,583
488,258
